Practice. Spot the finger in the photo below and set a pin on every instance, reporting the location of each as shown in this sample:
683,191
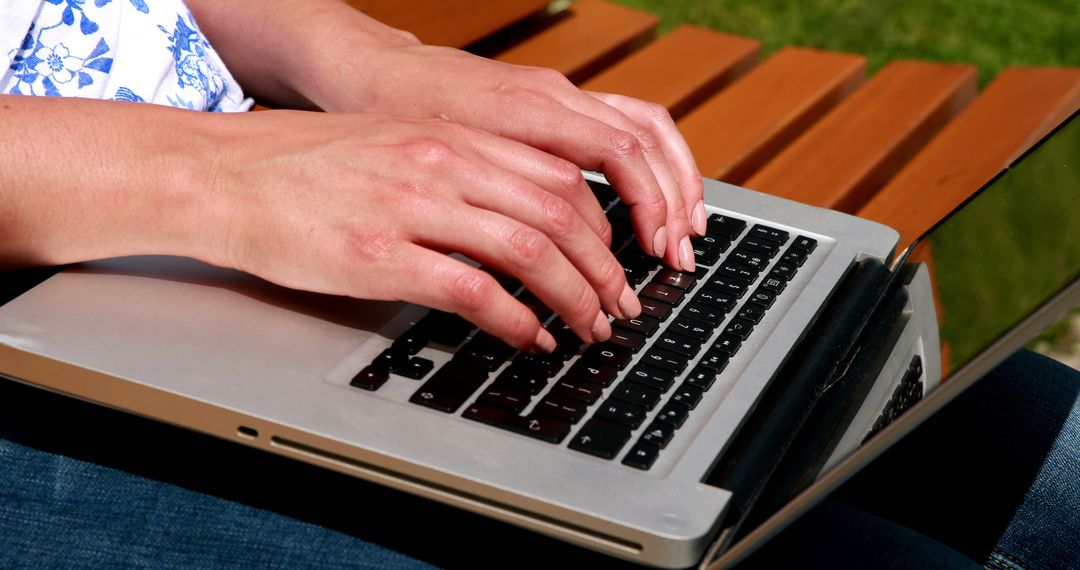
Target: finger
524,252
551,173
596,145
519,199
680,253
680,158
442,282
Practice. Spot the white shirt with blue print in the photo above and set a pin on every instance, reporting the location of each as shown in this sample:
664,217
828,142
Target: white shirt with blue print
129,50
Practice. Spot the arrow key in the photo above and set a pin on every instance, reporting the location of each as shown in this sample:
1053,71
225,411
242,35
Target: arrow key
659,433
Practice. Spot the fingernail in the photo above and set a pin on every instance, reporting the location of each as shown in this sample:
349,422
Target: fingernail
628,303
686,255
659,242
544,341
698,218
601,329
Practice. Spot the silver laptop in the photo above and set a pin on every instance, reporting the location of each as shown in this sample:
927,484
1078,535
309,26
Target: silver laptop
680,441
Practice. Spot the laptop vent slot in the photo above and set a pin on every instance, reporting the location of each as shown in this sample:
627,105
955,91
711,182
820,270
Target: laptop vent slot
457,497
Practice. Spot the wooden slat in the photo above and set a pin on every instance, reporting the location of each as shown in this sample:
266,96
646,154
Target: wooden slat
591,35
1013,112
735,132
680,69
455,23
853,151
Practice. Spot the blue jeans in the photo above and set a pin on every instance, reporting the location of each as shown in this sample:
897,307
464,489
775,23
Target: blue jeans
993,479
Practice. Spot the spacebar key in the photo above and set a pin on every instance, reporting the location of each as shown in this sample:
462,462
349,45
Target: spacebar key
448,389
549,429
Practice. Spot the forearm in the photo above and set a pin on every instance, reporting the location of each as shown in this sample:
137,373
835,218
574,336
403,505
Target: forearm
298,53
82,179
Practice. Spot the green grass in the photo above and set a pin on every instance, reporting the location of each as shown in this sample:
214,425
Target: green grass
991,34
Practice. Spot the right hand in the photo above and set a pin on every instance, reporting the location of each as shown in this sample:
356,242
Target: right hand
368,206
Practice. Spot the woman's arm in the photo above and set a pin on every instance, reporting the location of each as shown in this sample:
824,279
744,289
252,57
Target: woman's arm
363,205
325,53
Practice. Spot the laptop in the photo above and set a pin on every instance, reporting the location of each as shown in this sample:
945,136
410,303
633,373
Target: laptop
797,352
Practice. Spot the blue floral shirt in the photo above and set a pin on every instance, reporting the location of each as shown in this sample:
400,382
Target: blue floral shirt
130,50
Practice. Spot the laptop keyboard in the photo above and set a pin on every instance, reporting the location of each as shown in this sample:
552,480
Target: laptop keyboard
652,372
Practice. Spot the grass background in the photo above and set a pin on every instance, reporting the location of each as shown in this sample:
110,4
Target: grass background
991,34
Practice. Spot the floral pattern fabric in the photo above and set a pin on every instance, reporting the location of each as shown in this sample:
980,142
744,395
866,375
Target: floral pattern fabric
128,50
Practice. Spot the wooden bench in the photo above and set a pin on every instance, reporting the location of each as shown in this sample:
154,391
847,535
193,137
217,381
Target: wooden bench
902,147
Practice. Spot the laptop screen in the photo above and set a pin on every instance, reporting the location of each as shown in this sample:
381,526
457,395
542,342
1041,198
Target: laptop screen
1008,250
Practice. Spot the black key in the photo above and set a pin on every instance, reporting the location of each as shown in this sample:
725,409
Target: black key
601,438
714,241
627,339
724,226
411,342
763,298
587,392
715,360
542,311
730,269
692,328
622,412
794,257
669,295
674,414
685,346
371,377
783,270
608,354
702,377
417,368
451,385
445,328
759,245
686,394
639,394
716,298
729,285
700,272
664,360
749,259
658,433
485,351
771,234
707,255
545,364
649,376
547,428
621,233
739,327
804,243
655,309
705,313
504,397
751,312
392,360
523,379
597,373
641,456
727,343
634,276
676,279
773,285
640,324
562,407
567,342
603,192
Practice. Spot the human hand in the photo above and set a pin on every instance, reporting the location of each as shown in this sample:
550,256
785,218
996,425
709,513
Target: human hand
367,205
634,143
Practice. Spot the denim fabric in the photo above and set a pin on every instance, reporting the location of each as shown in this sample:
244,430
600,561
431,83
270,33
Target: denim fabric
992,478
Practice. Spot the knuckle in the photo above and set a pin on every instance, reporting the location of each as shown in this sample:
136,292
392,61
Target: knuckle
657,114
604,232
624,144
429,151
522,327
586,306
611,273
548,76
648,142
528,245
559,216
568,176
471,290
